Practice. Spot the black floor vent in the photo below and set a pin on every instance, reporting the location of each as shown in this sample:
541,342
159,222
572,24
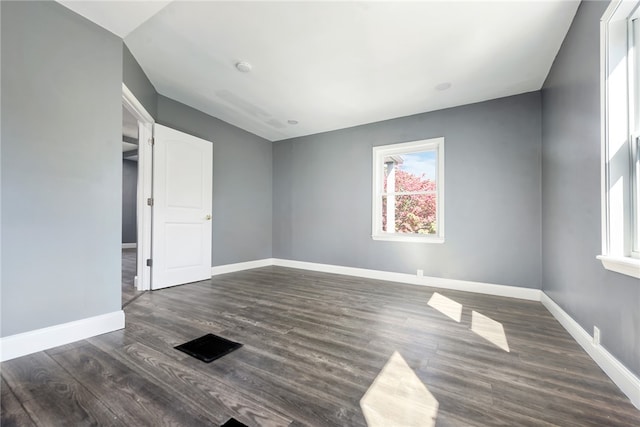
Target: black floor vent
232,422
209,348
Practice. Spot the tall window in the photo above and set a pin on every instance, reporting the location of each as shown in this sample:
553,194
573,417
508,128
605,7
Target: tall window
634,72
620,40
408,191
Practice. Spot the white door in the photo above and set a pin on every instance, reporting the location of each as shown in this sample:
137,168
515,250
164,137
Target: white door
182,199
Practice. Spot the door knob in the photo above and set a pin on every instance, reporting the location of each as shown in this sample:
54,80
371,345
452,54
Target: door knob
208,217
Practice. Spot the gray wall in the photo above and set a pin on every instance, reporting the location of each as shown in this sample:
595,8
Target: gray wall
242,190
61,167
136,80
129,201
322,195
60,180
242,174
572,276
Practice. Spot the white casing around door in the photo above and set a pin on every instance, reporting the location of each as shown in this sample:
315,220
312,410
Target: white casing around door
182,201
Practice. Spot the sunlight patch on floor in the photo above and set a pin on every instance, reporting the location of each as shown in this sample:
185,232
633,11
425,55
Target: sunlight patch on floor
397,397
446,306
489,329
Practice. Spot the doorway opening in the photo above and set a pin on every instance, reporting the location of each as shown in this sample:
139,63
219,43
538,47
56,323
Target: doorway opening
174,191
130,142
137,188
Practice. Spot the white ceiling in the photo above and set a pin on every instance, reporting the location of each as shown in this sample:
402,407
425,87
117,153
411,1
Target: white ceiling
119,17
331,65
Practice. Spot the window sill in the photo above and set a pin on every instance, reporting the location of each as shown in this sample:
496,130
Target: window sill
623,265
408,238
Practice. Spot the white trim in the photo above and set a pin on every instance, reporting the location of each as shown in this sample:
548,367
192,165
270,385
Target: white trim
129,245
436,282
604,176
145,159
623,265
400,237
615,116
619,374
134,106
382,151
42,339
231,268
143,211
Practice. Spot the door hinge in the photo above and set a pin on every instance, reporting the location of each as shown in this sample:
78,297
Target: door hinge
150,201
149,262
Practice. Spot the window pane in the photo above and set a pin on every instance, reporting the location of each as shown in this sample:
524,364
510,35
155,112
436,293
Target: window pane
635,73
411,214
410,172
635,133
407,176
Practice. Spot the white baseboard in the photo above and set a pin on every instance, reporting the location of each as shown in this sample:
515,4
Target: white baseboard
239,266
129,245
42,339
436,282
619,374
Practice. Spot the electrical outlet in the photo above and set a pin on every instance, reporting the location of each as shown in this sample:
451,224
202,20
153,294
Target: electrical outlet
596,335
420,273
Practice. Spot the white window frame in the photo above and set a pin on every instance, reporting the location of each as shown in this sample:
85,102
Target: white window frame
619,171
379,153
634,117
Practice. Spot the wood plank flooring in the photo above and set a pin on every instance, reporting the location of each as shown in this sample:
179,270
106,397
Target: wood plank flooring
314,343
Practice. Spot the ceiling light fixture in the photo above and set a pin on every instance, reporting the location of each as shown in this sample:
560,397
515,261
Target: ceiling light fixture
292,122
243,67
443,86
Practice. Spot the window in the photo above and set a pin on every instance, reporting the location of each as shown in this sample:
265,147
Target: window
620,71
408,191
634,71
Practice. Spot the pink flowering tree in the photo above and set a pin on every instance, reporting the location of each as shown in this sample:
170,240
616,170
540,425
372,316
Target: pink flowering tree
415,213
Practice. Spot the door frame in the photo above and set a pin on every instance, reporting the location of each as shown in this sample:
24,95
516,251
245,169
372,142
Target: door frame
142,280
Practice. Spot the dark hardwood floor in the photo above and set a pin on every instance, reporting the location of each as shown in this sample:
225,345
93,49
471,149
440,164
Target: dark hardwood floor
129,291
314,344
